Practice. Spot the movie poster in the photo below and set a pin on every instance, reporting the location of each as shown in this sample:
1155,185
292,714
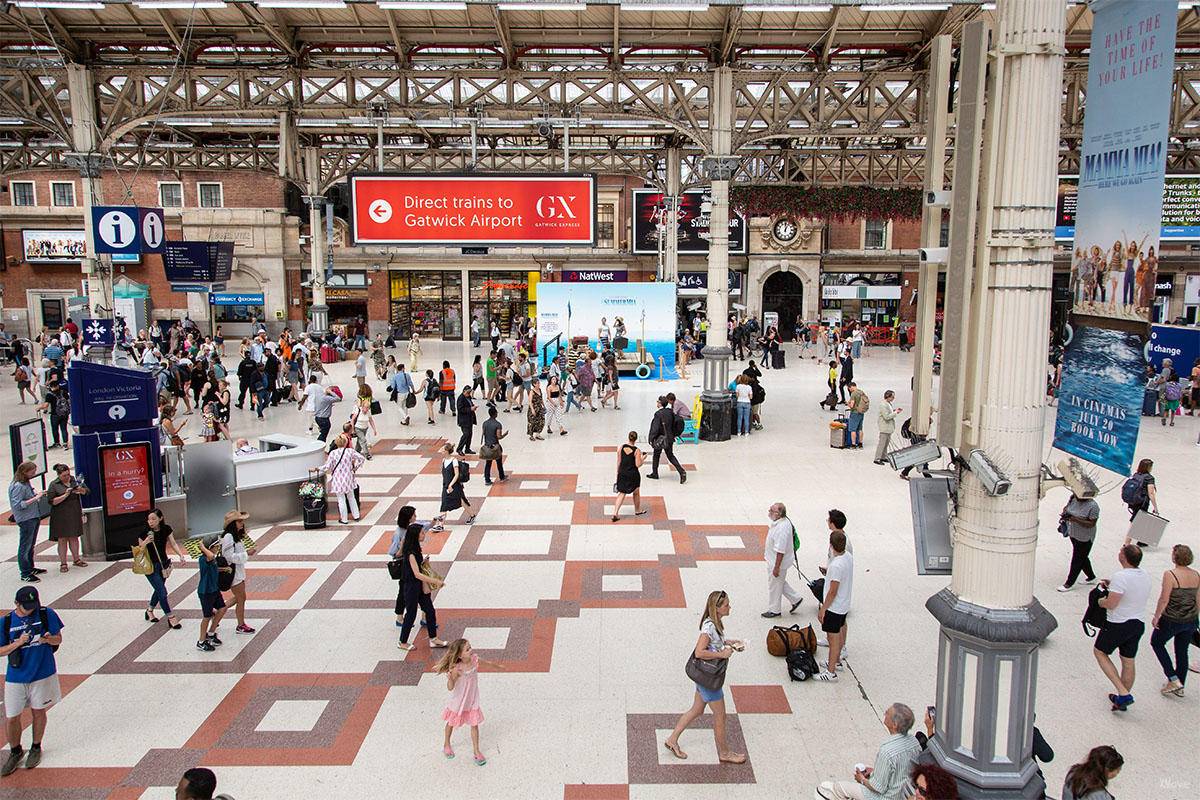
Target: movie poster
1100,399
1123,158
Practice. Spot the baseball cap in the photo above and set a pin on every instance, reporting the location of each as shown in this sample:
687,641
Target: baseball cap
27,598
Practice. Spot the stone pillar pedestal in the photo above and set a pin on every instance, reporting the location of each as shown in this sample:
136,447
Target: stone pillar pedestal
987,675
716,420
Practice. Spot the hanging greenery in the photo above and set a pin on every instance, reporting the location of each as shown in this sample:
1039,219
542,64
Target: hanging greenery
826,202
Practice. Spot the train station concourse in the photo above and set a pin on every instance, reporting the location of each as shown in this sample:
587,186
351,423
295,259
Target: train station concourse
605,400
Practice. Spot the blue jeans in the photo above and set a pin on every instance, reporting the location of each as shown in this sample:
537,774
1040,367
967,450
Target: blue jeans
571,399
1181,633
743,417
264,400
26,539
856,349
360,343
158,594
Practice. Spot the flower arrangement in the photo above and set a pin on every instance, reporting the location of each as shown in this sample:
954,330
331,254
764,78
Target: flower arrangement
826,202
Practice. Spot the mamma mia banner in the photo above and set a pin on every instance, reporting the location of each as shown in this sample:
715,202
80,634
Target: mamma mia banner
1130,70
1100,400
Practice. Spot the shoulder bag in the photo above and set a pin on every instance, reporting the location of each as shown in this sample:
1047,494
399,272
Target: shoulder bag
707,672
396,567
489,452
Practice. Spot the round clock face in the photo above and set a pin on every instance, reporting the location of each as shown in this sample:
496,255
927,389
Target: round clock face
785,230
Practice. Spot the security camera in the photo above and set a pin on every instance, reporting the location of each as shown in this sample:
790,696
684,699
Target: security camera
937,199
545,130
995,482
934,255
915,455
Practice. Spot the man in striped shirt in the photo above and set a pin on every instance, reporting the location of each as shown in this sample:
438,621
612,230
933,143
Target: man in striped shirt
888,778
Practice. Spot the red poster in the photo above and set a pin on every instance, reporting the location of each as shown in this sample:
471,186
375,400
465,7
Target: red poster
126,475
459,210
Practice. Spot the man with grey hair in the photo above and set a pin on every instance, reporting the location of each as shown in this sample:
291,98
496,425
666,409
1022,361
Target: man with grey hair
888,778
780,555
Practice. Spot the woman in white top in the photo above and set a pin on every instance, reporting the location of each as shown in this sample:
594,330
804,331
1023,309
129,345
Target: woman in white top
712,644
744,393
234,550
364,421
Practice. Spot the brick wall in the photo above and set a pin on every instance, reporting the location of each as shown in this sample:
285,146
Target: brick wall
845,234
239,189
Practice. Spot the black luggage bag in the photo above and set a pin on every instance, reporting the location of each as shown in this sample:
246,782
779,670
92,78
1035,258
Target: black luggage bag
777,359
313,512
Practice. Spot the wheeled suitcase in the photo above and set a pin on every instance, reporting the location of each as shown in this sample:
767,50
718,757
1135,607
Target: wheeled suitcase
837,432
777,359
314,512
1150,403
329,354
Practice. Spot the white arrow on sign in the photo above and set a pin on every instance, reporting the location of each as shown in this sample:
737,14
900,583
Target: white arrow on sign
152,230
117,229
380,210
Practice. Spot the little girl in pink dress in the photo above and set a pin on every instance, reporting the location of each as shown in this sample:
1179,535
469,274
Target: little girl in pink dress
461,666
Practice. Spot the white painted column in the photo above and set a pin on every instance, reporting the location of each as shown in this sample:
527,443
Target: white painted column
86,156
671,232
316,201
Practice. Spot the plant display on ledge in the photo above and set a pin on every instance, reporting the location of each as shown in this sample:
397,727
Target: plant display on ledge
826,202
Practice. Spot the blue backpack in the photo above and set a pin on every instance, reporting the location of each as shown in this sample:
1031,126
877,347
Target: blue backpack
1133,491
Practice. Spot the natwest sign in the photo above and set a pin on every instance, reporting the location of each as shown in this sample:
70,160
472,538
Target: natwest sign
458,210
595,275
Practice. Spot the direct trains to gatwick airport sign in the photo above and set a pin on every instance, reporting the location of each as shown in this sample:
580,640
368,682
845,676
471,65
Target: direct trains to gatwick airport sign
473,209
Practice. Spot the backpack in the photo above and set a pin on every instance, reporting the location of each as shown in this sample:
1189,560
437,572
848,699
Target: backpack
1133,491
801,665
677,428
62,406
757,394
225,573
1171,391
1095,617
464,472
866,404
43,616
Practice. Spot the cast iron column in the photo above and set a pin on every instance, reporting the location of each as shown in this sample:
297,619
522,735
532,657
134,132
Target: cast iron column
991,624
716,420
316,228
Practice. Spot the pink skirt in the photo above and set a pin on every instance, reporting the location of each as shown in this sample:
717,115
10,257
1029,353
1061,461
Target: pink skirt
456,719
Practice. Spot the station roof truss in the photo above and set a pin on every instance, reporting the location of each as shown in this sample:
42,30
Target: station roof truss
825,95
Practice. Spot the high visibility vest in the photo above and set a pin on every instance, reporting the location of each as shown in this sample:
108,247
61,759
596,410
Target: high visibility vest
446,380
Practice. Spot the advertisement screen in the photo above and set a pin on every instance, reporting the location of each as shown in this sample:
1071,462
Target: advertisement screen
693,223
54,246
637,320
1180,208
125,470
458,210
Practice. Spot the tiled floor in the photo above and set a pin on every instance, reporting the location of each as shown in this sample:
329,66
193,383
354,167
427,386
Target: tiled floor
588,624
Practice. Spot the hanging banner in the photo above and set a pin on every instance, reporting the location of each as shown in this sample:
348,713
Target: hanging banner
1178,343
1123,160
97,332
693,223
1100,399
458,210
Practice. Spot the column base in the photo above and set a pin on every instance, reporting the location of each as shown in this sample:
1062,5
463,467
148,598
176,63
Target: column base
320,318
716,420
987,679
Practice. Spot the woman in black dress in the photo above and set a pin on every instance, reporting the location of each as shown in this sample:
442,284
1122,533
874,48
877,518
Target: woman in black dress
455,472
629,476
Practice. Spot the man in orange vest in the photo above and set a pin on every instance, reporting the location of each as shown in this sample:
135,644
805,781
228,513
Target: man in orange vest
446,385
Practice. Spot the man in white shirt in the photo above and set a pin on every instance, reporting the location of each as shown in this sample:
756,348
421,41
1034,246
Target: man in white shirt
360,368
839,585
308,405
780,555
151,357
1128,593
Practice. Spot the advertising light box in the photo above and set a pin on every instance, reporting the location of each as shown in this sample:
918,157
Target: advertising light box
462,210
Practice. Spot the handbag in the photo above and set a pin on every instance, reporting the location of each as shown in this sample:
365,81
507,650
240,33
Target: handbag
376,407
410,400
707,672
396,568
142,563
430,572
489,452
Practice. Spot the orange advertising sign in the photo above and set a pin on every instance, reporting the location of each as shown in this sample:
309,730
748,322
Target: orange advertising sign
459,210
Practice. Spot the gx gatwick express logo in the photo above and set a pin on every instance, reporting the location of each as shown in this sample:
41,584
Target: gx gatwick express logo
555,206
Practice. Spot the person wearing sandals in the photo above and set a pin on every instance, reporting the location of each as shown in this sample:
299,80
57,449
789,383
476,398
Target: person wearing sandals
454,473
160,538
555,406
537,412
417,588
712,644
66,515
234,550
629,476
1175,618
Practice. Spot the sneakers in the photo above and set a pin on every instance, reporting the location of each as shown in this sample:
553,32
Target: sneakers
1121,702
826,676
205,646
1064,588
30,579
770,614
12,762
243,629
796,605
213,640
39,571
34,758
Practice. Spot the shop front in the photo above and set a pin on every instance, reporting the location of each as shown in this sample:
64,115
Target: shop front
503,297
691,296
427,302
346,296
870,298
1164,287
